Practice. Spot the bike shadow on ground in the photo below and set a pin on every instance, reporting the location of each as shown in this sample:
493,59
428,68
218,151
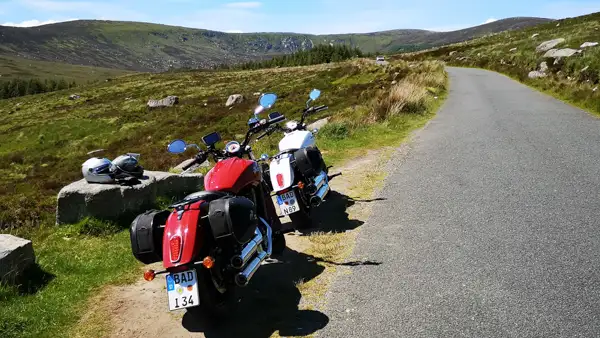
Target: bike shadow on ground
332,214
268,304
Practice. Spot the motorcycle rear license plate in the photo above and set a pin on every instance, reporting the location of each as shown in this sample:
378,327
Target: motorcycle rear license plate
182,290
288,203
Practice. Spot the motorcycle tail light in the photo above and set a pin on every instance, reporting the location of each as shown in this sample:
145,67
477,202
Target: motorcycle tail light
175,247
149,275
300,184
280,180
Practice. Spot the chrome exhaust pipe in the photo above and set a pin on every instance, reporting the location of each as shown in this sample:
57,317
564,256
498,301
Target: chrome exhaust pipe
248,251
243,277
317,199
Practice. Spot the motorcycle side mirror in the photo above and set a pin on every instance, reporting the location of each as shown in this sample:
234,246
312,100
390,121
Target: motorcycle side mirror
252,121
264,157
267,100
316,130
177,147
314,94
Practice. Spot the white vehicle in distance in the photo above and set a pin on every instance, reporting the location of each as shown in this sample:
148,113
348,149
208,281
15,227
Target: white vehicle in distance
380,58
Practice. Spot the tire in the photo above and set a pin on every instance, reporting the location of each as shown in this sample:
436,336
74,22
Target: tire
214,304
301,219
278,243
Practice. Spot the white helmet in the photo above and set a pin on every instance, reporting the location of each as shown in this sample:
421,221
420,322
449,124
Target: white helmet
97,170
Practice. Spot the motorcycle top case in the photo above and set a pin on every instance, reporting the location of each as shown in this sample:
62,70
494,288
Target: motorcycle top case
308,161
146,234
233,218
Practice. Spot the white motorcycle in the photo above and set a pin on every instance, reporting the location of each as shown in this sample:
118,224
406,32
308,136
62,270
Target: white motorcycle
298,173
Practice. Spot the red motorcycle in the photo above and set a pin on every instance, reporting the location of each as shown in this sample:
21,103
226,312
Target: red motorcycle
214,240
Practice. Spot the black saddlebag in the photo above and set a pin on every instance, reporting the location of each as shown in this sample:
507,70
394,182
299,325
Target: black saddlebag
146,234
308,161
233,218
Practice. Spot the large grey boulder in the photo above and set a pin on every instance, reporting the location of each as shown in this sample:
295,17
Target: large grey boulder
168,101
318,124
561,53
113,201
16,255
547,45
234,99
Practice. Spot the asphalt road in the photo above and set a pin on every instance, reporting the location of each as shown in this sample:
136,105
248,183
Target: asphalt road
490,227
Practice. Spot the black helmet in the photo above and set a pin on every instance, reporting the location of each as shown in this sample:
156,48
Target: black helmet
126,166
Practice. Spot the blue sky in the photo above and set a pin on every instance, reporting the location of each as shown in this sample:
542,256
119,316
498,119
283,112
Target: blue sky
304,16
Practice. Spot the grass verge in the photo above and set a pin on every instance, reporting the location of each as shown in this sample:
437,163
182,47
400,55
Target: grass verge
81,258
574,79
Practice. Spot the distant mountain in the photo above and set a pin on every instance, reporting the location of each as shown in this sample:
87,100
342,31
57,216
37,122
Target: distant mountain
153,47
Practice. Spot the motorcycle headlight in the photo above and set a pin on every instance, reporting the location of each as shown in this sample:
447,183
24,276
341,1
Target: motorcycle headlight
291,125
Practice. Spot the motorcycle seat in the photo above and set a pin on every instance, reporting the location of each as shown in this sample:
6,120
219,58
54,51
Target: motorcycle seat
200,196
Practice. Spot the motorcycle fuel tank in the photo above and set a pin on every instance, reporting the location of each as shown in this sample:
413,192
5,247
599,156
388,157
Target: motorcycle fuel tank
296,140
232,175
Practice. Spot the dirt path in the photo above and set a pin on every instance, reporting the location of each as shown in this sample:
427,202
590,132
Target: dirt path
272,304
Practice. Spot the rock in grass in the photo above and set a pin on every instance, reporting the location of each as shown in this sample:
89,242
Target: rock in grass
74,97
513,49
318,124
543,67
561,53
115,201
588,44
535,74
547,45
16,255
234,99
534,35
452,53
168,101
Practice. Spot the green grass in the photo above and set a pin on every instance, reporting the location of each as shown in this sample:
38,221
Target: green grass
45,137
75,266
13,67
573,79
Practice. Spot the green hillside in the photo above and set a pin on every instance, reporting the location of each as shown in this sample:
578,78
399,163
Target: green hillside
19,68
153,47
575,78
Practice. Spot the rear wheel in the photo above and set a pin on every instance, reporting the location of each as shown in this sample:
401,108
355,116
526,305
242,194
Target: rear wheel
278,243
214,298
301,219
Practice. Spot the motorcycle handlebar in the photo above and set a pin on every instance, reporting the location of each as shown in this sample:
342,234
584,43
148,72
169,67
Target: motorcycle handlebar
200,158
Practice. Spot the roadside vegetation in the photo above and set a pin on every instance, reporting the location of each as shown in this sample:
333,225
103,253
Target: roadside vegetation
45,139
314,56
575,79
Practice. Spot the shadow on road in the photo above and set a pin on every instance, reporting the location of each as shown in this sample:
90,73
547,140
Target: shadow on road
269,303
332,215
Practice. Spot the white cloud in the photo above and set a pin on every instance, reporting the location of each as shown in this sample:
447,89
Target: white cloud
251,4
234,31
490,20
33,23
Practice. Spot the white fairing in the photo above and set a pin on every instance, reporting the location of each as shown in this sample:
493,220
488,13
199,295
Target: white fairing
296,140
281,165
